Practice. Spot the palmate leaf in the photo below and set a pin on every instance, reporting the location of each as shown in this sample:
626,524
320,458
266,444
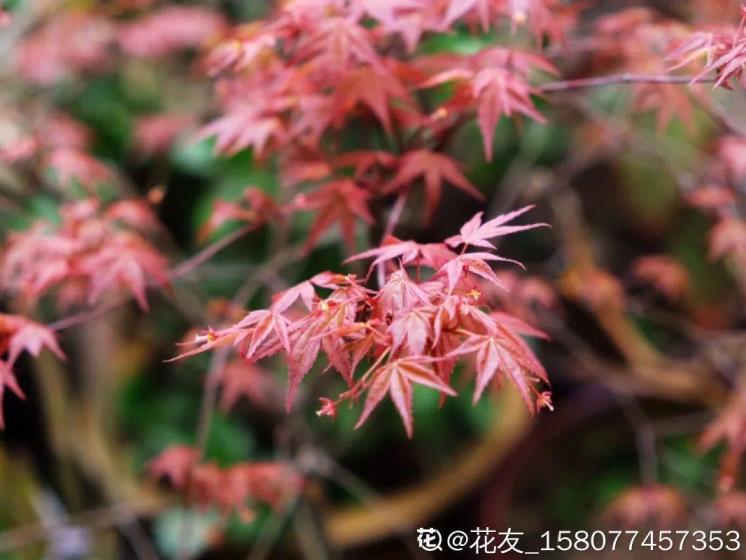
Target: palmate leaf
395,379
372,87
434,169
340,201
18,335
496,81
503,355
431,255
413,329
477,234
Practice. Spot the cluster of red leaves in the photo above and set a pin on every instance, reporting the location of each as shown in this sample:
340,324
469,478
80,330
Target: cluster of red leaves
721,51
59,146
170,29
77,41
718,196
233,489
410,331
92,251
18,335
289,83
636,41
154,134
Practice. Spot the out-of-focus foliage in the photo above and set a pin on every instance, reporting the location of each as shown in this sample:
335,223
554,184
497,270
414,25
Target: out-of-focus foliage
181,172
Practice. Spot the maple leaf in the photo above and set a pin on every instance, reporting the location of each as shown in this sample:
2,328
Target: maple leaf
728,61
238,379
170,29
125,261
485,10
18,334
517,325
371,87
69,165
400,293
335,44
286,298
260,324
432,255
666,274
496,80
505,355
477,234
240,53
408,18
242,128
395,378
500,92
474,263
364,160
305,350
175,464
337,201
434,168
411,330
254,208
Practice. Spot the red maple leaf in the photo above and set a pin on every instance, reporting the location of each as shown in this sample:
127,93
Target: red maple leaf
496,79
432,255
477,234
126,260
175,464
411,331
239,379
395,378
505,355
334,44
434,168
339,201
370,86
243,128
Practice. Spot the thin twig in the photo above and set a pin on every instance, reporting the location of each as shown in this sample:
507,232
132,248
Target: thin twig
624,78
208,252
217,364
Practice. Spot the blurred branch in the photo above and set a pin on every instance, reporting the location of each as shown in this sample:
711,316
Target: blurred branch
624,78
355,525
217,364
119,516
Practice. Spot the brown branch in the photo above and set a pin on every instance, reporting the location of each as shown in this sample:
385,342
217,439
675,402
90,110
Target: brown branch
624,78
208,252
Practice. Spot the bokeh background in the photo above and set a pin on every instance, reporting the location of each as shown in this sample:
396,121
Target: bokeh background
614,186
